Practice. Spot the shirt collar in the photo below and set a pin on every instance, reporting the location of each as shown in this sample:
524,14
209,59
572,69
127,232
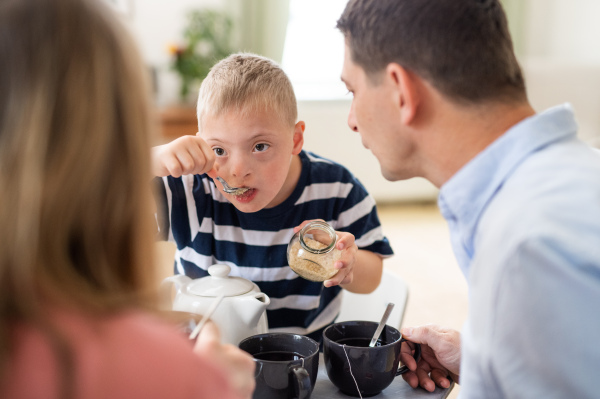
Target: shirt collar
465,196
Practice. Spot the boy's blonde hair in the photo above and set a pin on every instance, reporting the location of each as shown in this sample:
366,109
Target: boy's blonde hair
247,83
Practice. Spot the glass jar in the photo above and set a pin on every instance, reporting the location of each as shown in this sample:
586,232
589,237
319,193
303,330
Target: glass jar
311,252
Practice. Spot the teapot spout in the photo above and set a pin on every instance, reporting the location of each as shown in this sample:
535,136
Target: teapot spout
252,308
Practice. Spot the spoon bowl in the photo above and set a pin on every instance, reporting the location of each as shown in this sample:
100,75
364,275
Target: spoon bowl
231,190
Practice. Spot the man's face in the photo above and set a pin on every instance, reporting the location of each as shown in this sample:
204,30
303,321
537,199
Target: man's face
375,115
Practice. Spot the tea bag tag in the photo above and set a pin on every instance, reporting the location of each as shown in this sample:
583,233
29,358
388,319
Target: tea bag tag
351,374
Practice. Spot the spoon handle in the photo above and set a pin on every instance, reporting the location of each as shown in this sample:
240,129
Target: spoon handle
211,310
386,315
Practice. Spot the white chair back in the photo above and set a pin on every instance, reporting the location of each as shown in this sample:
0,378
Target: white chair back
370,307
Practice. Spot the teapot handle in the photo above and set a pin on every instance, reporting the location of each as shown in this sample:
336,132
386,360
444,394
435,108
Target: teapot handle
166,297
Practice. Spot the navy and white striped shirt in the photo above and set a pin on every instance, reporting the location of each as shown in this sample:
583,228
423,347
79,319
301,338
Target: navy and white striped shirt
208,229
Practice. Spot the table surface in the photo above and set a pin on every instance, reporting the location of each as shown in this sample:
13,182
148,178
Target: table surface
324,389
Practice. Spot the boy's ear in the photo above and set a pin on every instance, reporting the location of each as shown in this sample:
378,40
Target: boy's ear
406,91
298,137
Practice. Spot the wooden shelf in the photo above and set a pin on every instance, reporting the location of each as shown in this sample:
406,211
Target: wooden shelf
176,122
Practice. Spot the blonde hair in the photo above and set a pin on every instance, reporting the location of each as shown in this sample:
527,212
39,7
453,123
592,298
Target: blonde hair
74,163
247,83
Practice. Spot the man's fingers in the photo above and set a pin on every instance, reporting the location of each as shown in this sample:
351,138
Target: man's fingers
408,360
424,380
421,335
411,379
440,377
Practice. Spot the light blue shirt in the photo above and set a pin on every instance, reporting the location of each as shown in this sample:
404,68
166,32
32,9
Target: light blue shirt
524,217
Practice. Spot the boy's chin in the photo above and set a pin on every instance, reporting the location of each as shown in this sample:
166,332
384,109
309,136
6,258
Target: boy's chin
247,208
251,207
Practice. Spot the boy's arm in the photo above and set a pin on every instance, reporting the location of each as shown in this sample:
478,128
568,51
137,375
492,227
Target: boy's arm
359,270
367,271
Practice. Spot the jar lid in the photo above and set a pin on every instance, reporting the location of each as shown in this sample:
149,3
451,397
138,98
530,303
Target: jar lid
220,283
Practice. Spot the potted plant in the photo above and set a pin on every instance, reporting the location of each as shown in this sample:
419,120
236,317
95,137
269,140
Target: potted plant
207,37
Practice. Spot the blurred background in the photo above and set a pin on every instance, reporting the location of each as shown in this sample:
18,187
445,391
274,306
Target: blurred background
557,43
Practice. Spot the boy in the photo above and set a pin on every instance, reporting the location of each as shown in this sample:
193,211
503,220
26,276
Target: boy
248,135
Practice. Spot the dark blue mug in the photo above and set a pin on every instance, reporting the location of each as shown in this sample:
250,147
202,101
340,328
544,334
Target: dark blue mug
352,365
286,365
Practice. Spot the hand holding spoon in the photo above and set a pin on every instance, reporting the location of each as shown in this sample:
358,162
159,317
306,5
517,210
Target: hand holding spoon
209,312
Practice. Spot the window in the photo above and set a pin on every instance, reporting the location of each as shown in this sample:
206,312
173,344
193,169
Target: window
313,53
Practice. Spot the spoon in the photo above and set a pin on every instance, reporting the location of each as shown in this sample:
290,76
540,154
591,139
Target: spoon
386,315
211,310
231,190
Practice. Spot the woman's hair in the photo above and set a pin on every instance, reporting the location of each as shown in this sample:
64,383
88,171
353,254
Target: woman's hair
247,83
462,47
75,215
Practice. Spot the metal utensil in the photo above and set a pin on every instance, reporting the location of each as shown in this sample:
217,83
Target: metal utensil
231,190
386,315
211,310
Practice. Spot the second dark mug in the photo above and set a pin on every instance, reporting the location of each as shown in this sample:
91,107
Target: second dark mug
370,369
286,365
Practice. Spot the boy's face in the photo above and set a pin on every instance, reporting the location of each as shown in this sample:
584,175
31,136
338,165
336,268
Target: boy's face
255,151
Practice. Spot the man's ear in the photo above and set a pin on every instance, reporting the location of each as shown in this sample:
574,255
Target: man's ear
298,137
407,91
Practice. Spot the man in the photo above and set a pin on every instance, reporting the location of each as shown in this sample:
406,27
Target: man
438,93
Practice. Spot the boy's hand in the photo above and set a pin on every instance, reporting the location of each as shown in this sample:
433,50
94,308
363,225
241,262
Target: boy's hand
187,155
345,264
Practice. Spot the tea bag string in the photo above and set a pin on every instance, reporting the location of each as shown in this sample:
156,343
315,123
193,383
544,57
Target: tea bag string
351,374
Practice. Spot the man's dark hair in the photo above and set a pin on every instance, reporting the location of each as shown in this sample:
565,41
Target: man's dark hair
462,47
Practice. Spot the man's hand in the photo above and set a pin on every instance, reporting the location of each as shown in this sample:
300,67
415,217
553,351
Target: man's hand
440,357
187,155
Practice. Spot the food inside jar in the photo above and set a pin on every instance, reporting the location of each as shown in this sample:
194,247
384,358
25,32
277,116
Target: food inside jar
313,267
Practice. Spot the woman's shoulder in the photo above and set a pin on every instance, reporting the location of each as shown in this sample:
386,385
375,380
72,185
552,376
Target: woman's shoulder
132,354
155,359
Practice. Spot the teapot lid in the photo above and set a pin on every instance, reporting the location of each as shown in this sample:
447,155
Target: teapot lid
220,283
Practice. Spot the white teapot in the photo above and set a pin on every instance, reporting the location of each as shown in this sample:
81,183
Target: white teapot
240,314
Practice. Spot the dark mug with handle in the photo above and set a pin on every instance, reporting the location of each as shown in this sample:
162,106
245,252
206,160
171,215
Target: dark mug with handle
286,365
353,366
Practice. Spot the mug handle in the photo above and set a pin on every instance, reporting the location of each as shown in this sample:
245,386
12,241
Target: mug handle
302,384
416,356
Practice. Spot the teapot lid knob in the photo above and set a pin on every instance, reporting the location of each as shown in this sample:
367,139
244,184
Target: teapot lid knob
221,271
220,283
